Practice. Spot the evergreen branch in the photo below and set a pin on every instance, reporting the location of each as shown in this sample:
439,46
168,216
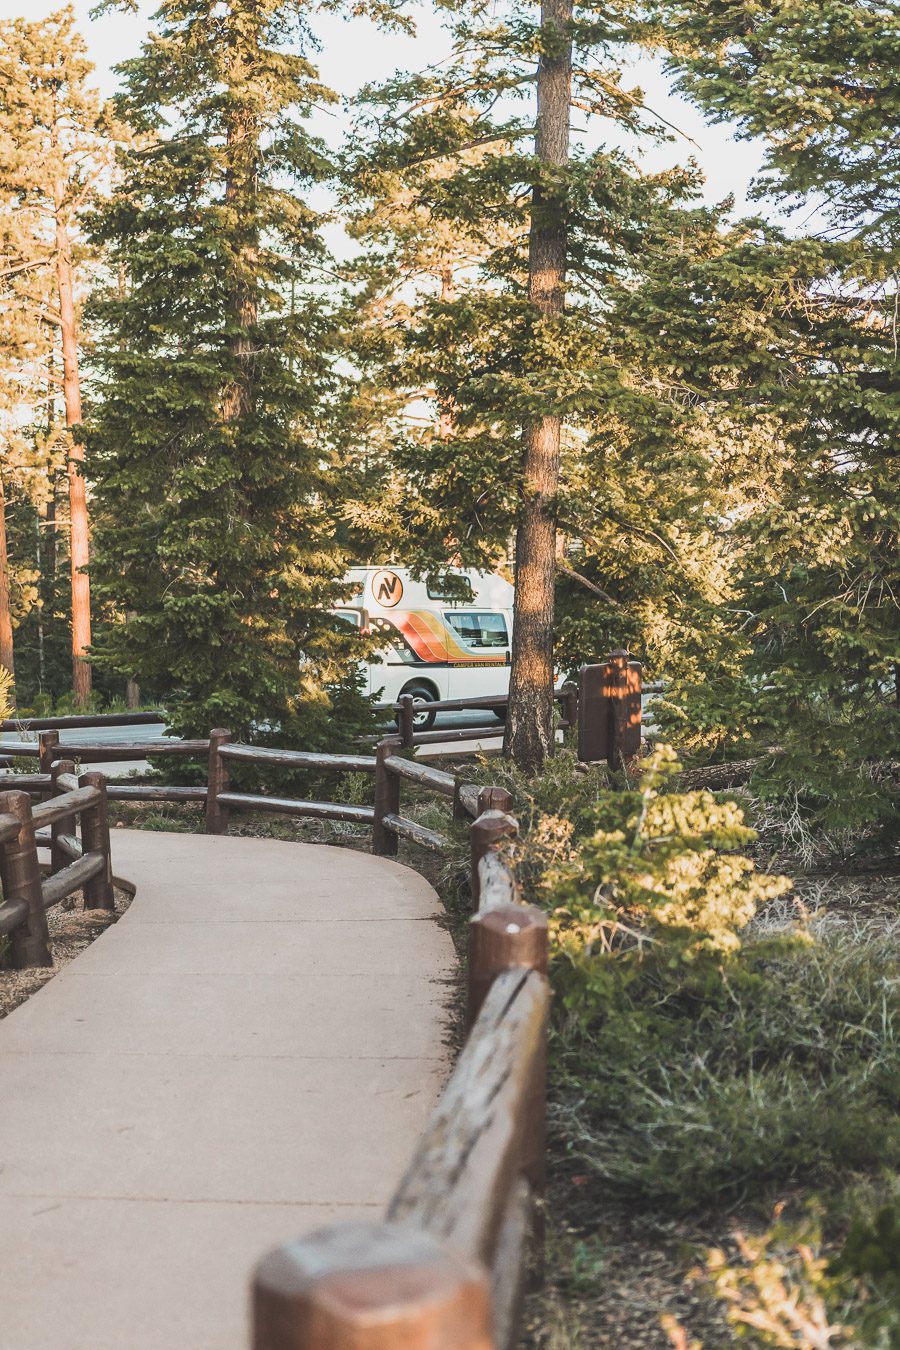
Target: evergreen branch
471,145
446,95
619,92
585,581
26,266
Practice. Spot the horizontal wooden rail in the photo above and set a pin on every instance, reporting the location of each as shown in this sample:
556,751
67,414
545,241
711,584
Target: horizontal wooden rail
21,750
296,759
422,774
417,834
467,797
57,808
69,845
288,806
459,734
99,754
28,896
81,721
12,914
24,782
459,1181
147,792
72,878
9,827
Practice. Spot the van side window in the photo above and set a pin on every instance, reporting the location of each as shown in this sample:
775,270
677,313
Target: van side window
479,628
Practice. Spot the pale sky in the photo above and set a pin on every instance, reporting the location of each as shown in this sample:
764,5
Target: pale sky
355,52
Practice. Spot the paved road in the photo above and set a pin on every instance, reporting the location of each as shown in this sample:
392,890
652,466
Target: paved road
250,1052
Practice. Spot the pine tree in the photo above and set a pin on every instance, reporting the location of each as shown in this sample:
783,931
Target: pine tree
821,582
54,148
516,352
215,541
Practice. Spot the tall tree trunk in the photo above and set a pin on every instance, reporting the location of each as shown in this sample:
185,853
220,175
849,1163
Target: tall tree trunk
448,293
241,181
6,632
529,724
78,518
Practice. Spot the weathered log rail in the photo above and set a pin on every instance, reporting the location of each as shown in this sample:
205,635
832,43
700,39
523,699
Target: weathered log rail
604,709
406,709
448,1264
76,864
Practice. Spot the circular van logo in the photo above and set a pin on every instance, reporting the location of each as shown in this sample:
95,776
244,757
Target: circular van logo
387,589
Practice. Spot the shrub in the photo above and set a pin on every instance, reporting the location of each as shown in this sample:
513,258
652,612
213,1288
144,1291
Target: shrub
698,1061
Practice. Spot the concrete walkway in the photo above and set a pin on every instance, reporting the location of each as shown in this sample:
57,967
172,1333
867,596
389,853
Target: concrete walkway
249,1053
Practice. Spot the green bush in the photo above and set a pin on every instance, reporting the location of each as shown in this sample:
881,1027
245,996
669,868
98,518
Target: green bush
699,1060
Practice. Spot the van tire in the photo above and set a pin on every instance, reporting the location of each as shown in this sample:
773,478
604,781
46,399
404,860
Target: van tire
421,693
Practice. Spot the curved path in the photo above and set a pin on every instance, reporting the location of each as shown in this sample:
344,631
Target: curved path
250,1052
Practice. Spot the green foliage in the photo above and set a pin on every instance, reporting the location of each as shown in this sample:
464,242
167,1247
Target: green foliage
699,1056
816,592
215,542
781,1289
655,867
7,693
778,1289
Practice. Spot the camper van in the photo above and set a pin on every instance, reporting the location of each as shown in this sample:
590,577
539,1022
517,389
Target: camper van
440,641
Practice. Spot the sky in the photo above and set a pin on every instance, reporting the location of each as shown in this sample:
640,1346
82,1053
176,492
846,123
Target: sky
354,52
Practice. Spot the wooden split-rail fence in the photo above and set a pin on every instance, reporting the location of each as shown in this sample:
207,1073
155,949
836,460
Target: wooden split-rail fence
76,863
446,1267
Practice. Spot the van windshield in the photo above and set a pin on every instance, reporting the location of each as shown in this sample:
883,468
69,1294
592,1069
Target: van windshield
479,628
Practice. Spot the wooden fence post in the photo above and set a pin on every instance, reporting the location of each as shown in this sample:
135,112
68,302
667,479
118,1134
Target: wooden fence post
30,941
406,711
488,831
370,1287
48,744
626,708
387,799
609,710
217,781
58,859
570,710
98,891
504,938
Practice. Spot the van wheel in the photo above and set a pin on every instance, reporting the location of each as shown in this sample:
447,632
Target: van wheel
421,694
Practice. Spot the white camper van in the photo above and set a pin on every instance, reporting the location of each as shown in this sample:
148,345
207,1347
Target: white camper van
435,647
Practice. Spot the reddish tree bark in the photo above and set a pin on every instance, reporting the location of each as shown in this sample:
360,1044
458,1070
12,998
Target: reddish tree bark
6,632
529,725
78,515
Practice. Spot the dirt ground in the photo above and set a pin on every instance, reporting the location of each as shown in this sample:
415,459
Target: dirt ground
72,928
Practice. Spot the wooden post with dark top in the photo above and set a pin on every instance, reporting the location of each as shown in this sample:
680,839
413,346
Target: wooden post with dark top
387,799
406,711
98,891
507,937
58,859
491,828
370,1287
48,746
609,710
30,941
217,781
